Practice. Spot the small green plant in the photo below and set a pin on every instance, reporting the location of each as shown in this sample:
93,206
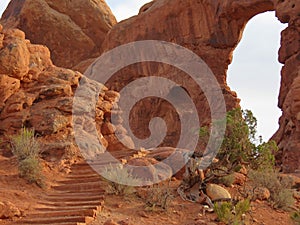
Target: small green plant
27,149
25,145
283,199
280,188
117,176
30,169
159,196
229,213
227,180
295,216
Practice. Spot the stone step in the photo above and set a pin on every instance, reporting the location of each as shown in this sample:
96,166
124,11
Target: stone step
79,186
73,201
60,223
58,194
93,164
53,220
67,204
63,213
80,181
63,198
98,208
81,176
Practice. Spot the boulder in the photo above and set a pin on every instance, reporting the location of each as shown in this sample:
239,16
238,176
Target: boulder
261,193
239,178
147,171
216,192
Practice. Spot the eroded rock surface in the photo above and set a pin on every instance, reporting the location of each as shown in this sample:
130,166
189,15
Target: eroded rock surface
72,30
36,94
288,135
211,29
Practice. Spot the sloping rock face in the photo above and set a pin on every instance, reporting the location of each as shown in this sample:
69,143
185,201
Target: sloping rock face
288,135
72,30
211,29
36,94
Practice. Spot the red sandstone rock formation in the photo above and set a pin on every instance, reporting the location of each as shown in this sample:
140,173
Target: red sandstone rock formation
212,29
72,30
36,94
288,135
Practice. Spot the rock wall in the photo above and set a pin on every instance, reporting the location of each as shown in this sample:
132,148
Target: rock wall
211,29
288,135
72,30
36,94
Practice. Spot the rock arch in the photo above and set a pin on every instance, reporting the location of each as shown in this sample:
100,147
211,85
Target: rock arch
212,29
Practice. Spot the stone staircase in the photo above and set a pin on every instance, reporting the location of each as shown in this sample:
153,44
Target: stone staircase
76,200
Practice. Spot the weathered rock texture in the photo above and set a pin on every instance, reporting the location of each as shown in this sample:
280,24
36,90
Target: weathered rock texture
211,29
72,30
288,135
36,94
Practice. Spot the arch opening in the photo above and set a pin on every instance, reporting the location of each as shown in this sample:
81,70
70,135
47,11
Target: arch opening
255,71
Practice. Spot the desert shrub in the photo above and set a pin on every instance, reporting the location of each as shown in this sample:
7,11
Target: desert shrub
229,213
280,188
30,169
295,216
283,199
26,148
227,180
25,145
117,177
158,196
240,145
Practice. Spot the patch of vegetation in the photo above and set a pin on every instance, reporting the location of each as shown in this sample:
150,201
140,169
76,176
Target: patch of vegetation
27,149
295,216
280,188
227,180
240,145
229,213
117,177
159,196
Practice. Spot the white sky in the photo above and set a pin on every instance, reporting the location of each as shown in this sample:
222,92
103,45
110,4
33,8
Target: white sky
255,71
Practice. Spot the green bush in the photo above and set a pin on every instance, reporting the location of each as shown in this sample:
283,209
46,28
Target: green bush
26,148
280,188
229,213
240,146
264,158
117,176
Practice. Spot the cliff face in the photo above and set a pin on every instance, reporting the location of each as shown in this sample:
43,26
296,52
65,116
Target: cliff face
76,32
212,29
72,30
288,135
36,94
